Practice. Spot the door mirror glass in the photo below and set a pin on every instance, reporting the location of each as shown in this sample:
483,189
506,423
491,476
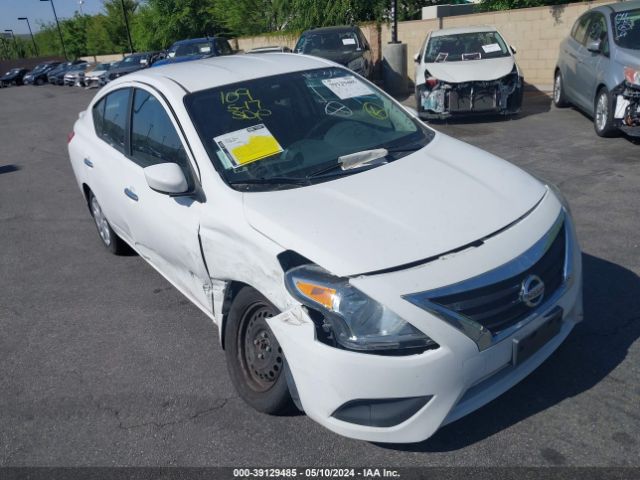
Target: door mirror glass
166,178
594,46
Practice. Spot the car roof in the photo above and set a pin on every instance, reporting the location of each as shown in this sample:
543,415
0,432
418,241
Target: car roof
338,29
460,30
217,71
619,7
194,40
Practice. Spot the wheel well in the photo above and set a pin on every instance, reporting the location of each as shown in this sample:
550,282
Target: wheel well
233,287
86,190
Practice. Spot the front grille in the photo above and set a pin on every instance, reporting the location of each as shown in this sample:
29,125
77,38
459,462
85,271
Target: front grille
498,306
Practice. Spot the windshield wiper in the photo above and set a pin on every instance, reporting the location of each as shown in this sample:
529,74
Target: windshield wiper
362,160
271,181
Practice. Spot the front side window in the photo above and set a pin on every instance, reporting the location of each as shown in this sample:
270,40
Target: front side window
626,28
116,106
299,124
597,31
465,46
579,31
153,137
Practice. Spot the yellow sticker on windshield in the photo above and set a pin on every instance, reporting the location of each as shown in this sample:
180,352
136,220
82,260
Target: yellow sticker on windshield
248,145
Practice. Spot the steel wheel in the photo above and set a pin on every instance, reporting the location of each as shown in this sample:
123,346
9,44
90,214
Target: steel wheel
260,352
101,222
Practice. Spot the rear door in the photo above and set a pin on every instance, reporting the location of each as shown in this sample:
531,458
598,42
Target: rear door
573,52
103,159
165,229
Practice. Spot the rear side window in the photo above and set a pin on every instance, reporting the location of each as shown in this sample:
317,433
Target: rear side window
223,47
98,117
153,137
116,106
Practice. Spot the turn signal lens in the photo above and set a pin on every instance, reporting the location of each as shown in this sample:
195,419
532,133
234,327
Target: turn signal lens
319,294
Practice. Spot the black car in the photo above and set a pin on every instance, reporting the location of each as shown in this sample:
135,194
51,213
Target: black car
13,77
38,75
345,45
195,49
56,76
133,63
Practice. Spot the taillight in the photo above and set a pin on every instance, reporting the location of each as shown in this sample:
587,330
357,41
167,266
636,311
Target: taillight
70,136
432,81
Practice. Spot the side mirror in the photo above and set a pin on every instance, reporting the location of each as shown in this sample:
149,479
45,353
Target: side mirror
416,57
166,178
594,46
513,49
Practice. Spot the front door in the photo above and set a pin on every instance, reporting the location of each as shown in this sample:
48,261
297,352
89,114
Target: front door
165,229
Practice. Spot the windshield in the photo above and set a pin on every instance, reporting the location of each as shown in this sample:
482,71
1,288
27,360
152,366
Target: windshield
101,67
465,46
188,49
131,59
626,28
293,125
345,41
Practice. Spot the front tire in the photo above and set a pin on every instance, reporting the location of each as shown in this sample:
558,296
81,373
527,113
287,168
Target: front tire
559,98
110,239
603,114
255,359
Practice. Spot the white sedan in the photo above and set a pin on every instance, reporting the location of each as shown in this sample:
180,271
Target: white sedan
382,276
465,71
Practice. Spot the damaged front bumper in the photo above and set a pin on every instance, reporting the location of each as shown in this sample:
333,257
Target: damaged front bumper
502,96
400,399
627,109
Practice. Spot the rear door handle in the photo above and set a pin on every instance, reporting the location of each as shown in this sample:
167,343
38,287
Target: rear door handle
130,194
88,163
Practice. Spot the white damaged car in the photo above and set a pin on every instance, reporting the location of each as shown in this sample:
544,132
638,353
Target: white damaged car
384,277
462,71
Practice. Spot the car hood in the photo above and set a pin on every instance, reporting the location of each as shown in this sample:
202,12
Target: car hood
471,70
627,57
443,197
343,58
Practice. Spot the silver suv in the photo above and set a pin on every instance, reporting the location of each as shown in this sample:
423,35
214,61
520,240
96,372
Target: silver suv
598,68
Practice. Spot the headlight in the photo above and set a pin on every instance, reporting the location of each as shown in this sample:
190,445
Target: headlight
560,196
632,75
356,65
357,321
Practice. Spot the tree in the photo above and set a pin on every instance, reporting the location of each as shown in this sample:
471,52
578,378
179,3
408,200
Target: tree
98,40
74,32
511,4
159,23
115,22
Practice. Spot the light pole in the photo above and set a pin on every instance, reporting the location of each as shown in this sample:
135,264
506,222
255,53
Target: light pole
59,31
126,24
35,47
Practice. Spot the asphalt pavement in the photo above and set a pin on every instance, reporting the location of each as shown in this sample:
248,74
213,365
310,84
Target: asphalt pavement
103,362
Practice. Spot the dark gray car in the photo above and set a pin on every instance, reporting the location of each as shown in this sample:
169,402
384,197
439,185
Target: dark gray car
345,45
598,68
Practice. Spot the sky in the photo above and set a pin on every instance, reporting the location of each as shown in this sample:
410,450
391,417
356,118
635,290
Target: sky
40,12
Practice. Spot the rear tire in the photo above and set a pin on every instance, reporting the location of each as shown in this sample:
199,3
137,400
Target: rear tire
110,239
603,110
559,99
255,360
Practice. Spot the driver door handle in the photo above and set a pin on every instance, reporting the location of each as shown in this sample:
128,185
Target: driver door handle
88,163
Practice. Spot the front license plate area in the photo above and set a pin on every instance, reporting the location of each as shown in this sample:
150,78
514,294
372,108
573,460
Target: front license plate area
524,347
